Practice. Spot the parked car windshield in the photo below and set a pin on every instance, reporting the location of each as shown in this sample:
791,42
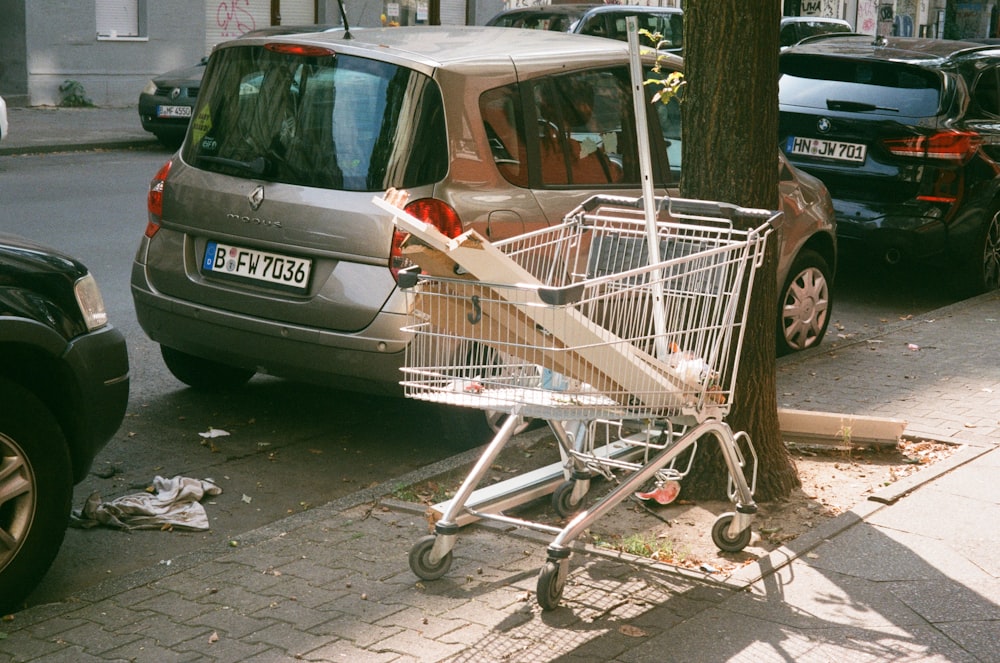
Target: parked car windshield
329,121
854,85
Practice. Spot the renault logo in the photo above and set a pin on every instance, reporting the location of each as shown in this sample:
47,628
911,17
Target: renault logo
823,125
256,197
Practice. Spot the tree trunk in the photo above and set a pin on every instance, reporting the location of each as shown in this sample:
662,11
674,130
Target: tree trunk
729,153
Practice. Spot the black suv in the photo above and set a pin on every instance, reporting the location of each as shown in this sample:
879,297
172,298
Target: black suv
904,132
64,380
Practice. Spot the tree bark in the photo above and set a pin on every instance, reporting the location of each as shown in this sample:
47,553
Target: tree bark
729,153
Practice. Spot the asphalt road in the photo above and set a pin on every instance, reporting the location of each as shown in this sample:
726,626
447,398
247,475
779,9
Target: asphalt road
289,446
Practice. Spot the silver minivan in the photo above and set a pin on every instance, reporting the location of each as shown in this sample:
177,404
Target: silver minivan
263,251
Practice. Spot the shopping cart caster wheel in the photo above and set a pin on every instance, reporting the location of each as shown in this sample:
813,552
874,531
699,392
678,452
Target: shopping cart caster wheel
562,500
551,580
420,562
721,538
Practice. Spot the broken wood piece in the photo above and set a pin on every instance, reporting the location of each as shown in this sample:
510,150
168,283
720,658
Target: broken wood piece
834,429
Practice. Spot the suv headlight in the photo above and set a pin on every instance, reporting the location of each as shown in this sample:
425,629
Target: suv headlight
150,88
88,297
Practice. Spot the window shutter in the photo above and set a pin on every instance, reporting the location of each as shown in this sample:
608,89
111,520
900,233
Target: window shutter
452,12
117,18
297,12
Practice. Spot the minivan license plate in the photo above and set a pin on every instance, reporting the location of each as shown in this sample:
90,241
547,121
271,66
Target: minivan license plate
173,111
826,149
225,259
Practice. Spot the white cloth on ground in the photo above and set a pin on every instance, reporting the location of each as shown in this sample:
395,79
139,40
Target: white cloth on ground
174,503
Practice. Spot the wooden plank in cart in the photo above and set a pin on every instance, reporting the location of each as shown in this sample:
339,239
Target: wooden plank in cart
648,379
506,328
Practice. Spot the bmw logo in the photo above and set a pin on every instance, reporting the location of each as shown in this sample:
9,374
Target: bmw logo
823,125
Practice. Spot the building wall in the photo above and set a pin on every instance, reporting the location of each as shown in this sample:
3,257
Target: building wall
62,44
44,43
481,11
363,13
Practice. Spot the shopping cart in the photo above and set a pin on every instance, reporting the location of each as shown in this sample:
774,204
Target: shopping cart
573,324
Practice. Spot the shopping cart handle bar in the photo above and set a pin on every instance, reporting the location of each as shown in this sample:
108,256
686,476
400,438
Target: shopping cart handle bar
693,206
685,206
408,277
594,202
561,296
553,296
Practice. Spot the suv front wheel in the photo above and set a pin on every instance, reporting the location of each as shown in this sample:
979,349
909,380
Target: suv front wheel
36,492
804,304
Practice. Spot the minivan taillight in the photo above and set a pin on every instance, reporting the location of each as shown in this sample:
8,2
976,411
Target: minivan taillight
154,199
437,213
957,146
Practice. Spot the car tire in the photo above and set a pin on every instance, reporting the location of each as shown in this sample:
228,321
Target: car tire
36,492
204,374
804,305
983,272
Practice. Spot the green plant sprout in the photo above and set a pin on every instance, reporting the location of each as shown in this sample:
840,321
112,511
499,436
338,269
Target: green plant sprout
670,86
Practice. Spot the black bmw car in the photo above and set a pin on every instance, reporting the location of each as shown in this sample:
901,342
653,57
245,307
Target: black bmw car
905,133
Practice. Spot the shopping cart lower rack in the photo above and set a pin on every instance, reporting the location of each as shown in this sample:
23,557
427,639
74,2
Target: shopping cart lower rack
610,320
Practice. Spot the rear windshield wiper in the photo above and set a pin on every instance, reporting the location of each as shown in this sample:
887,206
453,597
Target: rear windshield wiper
255,167
841,105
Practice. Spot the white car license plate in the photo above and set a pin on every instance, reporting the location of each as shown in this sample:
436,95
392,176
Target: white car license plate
173,111
826,149
257,265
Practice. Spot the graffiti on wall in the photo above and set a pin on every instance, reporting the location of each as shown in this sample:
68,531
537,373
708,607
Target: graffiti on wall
233,18
867,17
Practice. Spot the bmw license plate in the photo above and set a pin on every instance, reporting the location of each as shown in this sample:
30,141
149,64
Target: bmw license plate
173,111
274,268
826,149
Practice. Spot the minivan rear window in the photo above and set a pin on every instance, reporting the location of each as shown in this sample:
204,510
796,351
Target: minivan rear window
329,121
884,87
